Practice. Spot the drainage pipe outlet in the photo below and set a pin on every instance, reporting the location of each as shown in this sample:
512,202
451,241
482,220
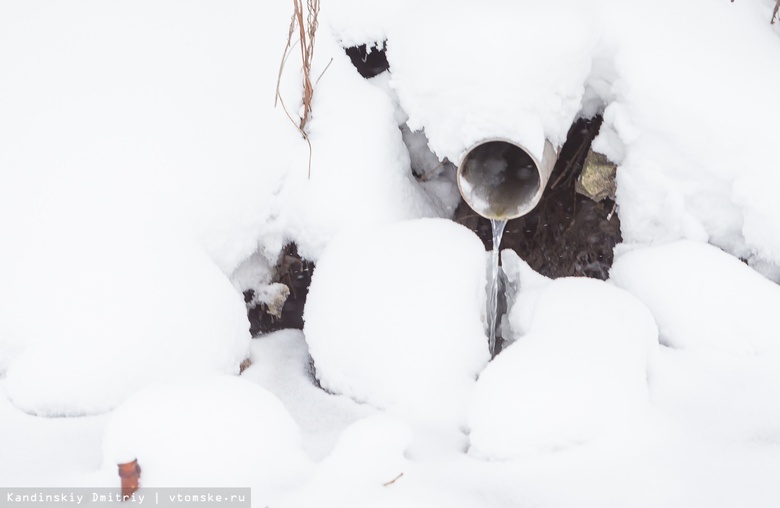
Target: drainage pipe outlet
500,180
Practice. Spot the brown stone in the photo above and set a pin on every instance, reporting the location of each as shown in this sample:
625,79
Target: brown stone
597,180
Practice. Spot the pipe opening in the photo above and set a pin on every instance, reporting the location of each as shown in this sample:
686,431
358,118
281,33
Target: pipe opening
499,180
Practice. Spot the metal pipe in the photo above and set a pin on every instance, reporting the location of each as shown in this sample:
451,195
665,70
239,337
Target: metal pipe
500,180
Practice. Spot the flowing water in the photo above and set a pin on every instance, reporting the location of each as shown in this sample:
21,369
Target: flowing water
492,304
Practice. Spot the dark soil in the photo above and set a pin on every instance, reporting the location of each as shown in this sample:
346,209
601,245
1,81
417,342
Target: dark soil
296,274
369,62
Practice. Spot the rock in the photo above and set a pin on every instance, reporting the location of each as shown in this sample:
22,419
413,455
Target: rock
597,180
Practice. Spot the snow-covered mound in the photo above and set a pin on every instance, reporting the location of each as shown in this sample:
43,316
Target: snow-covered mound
696,144
702,297
579,370
217,431
377,444
492,78
136,167
130,189
166,312
394,317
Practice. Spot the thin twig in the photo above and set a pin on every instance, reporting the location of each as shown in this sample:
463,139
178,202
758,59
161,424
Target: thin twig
392,481
774,12
305,136
570,164
287,53
429,174
323,72
309,143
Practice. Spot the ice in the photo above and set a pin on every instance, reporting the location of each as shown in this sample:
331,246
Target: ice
702,298
578,371
394,318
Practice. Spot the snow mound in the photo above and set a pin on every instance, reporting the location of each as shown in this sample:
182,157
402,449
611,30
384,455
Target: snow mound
702,297
368,455
694,165
580,370
360,167
169,314
494,78
394,317
236,434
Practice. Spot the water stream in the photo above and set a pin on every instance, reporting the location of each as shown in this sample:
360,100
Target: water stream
492,304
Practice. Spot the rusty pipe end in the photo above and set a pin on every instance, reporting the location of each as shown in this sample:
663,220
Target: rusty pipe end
130,473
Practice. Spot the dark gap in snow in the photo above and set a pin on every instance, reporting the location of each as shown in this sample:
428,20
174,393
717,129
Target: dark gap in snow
369,61
312,373
567,234
294,272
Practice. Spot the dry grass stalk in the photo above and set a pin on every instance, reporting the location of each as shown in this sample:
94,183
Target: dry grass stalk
307,31
305,40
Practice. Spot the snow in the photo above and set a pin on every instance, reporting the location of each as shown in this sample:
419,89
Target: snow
53,452
168,314
564,382
360,166
147,180
377,443
135,169
480,83
280,364
249,426
694,109
128,146
702,298
388,324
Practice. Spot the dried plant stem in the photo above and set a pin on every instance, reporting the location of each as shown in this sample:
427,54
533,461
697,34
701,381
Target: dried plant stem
305,40
387,484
